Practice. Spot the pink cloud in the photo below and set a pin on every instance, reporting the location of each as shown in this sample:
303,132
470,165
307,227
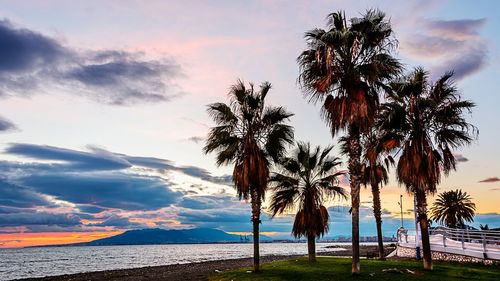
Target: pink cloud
460,158
492,179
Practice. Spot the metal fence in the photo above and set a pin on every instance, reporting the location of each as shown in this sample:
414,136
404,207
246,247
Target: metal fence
483,244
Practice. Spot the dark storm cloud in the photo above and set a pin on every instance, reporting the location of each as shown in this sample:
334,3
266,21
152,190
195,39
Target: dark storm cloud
203,217
77,160
120,222
492,179
6,125
9,210
38,218
453,45
205,175
101,184
96,160
23,50
124,78
110,190
13,195
208,202
31,62
90,209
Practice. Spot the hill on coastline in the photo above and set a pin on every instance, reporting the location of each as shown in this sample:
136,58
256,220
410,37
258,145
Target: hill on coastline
173,236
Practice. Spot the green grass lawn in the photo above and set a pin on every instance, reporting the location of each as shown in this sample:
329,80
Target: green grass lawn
331,268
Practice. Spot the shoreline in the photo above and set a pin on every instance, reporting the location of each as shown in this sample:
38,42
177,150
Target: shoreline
365,243
196,271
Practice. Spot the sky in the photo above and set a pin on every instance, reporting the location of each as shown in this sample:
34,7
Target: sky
103,109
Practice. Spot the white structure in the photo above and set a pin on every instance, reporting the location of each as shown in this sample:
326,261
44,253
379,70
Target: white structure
482,244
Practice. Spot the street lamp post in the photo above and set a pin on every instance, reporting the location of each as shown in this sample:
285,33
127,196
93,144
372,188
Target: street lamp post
401,206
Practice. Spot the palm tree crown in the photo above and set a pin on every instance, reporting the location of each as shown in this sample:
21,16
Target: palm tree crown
345,65
249,135
427,121
453,208
307,179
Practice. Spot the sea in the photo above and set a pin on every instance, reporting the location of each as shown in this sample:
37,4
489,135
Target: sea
51,261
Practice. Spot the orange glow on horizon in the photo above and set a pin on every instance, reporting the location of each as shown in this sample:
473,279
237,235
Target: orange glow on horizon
20,240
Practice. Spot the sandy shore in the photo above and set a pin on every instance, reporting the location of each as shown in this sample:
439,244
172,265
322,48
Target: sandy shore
191,271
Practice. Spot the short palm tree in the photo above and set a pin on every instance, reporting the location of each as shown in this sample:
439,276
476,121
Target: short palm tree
484,227
345,66
427,120
249,135
453,208
307,179
376,162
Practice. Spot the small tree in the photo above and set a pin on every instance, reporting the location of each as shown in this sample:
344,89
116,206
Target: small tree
453,208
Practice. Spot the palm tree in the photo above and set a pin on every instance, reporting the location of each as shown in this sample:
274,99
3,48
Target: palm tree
307,179
427,121
249,135
375,166
484,227
453,208
345,67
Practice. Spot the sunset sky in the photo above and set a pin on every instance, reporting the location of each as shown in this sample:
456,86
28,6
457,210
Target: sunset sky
103,108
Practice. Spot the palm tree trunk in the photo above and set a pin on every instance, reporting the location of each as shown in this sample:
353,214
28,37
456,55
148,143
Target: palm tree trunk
256,204
355,175
311,247
424,228
378,218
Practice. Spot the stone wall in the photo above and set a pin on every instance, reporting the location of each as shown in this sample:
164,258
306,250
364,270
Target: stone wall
411,253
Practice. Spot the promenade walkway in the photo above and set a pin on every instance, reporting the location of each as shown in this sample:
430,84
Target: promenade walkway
483,244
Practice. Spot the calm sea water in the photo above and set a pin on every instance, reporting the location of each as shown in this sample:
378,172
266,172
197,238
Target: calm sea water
49,261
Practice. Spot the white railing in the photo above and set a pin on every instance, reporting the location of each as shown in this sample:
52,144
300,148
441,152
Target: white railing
484,244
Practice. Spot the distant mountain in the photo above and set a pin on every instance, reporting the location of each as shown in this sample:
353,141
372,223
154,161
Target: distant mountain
162,236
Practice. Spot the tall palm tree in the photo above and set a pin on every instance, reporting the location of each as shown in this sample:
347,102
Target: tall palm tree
249,135
427,120
375,165
307,179
453,208
344,67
